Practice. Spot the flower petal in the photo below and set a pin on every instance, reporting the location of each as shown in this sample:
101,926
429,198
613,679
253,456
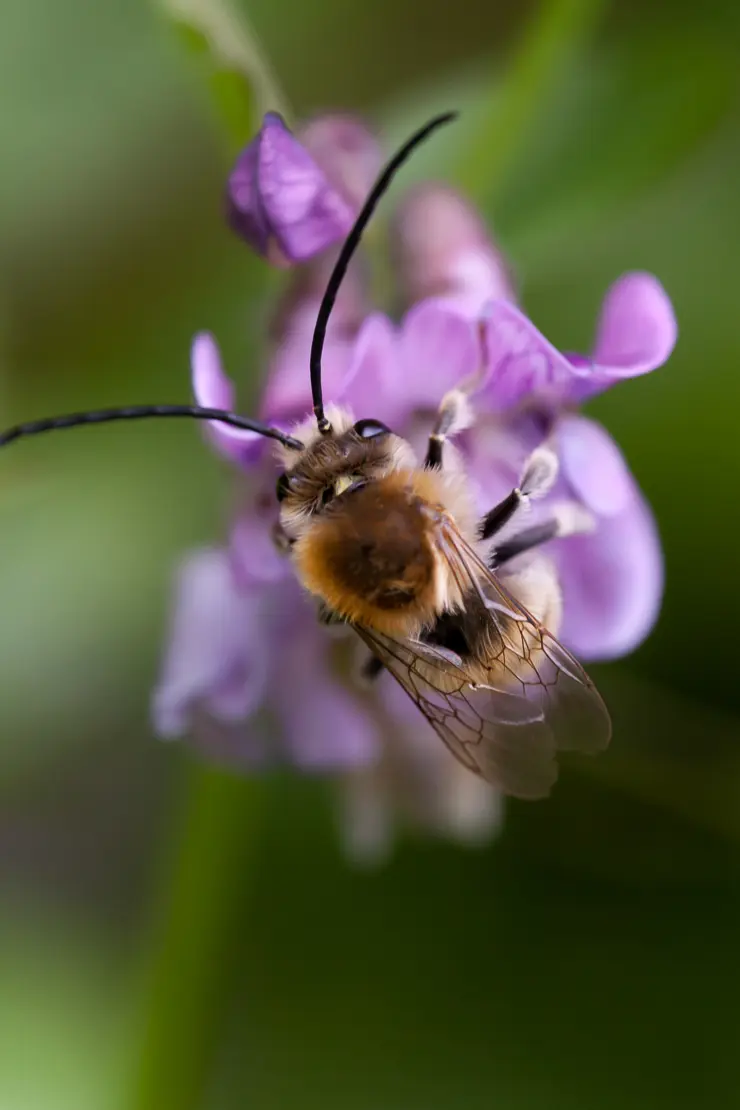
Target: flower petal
253,556
324,724
237,745
442,248
287,395
636,334
364,812
244,210
496,452
304,212
439,349
521,363
433,791
218,655
347,152
298,304
213,389
373,386
612,582
594,466
637,329
612,579
469,809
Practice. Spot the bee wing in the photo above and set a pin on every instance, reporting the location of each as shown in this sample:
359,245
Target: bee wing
537,666
535,698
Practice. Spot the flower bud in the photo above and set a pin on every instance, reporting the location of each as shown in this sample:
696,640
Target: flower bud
280,201
347,152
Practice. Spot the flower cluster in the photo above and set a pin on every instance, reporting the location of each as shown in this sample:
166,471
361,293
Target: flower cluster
244,638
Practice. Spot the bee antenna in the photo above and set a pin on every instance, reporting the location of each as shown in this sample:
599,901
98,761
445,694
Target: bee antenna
345,255
141,412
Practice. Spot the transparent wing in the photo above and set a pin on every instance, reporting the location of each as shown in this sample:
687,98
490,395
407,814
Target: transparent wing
506,707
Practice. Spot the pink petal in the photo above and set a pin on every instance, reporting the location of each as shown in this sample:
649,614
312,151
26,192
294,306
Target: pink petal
324,725
637,332
218,655
305,213
637,329
612,583
287,394
212,389
347,152
594,466
244,211
442,247
277,194
521,363
364,811
253,556
239,745
373,385
439,349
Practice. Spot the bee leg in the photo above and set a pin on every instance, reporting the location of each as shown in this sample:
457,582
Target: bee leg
281,540
327,616
371,669
499,515
433,460
539,476
454,415
525,541
568,519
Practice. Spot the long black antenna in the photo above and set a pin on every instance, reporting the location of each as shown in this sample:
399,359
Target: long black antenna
348,249
141,412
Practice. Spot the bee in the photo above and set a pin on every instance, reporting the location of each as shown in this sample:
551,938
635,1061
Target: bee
391,546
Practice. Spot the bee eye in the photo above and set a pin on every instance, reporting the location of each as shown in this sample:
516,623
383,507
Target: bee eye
369,429
283,487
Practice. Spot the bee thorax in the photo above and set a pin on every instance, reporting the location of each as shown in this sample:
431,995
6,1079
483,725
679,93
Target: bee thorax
373,559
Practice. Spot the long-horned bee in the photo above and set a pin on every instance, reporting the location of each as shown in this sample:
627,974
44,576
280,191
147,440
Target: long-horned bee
391,545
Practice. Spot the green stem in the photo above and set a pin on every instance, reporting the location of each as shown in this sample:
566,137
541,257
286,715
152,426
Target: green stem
196,946
236,69
555,34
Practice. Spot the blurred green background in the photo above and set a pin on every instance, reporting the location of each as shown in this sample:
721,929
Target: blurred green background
590,957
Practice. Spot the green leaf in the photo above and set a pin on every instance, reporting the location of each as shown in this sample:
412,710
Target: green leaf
198,944
553,39
232,96
625,120
62,1003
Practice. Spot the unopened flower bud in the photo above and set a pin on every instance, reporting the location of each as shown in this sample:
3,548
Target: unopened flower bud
279,199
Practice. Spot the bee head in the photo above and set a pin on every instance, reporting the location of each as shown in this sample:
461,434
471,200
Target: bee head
332,467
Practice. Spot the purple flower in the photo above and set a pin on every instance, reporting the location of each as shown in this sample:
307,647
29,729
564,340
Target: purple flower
611,578
346,151
249,671
279,200
441,247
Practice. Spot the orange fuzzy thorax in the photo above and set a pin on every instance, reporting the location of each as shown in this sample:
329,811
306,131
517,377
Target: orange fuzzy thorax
373,558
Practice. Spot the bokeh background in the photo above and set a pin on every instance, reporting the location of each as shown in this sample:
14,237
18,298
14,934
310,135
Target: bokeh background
591,956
